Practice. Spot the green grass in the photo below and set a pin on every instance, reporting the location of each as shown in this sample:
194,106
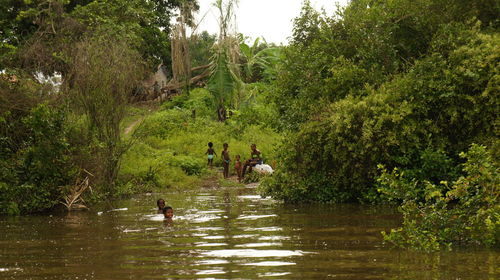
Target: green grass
170,152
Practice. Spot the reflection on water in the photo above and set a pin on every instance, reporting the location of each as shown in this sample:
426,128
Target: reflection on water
227,233
251,253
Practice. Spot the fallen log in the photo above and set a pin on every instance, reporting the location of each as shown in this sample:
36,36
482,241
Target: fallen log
173,86
177,85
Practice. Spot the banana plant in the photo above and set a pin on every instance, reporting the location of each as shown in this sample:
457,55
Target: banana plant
265,59
224,80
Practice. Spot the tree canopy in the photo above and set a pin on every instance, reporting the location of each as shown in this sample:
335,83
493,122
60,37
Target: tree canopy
53,24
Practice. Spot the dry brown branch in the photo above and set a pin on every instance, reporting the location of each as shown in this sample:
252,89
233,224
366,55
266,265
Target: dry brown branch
200,67
74,200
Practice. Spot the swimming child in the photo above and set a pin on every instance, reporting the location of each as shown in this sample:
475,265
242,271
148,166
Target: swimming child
238,167
168,212
225,160
161,204
210,154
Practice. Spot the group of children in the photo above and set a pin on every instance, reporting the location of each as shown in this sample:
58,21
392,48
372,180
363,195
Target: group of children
167,211
255,158
238,166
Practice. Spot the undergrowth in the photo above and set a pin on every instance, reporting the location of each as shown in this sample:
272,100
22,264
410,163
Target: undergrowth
171,145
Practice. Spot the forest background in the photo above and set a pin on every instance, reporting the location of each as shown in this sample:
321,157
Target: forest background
389,101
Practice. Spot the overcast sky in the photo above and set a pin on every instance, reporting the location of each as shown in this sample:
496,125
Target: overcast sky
271,19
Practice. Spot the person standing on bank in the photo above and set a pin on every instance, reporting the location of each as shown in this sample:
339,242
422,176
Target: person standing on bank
210,153
225,160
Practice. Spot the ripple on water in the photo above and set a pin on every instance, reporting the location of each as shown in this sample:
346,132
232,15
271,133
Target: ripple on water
253,245
211,262
213,237
154,217
251,253
118,209
255,217
273,237
251,197
131,230
244,236
274,274
205,244
208,228
196,218
269,263
211,211
264,229
199,234
210,272
2,269
206,198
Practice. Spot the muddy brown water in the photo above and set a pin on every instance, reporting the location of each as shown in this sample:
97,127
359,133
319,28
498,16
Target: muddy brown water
225,233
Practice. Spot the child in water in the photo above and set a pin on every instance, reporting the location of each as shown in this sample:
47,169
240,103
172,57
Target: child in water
210,153
161,204
238,167
225,160
168,212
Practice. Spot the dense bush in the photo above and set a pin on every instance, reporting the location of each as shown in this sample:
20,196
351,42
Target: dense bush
35,159
353,107
255,109
464,212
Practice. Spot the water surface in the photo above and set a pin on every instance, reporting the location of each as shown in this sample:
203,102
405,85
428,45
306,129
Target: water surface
226,233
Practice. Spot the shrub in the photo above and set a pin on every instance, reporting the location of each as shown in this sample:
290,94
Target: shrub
36,160
466,212
418,121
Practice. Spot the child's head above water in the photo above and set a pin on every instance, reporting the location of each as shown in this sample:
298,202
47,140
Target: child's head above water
160,203
210,144
168,212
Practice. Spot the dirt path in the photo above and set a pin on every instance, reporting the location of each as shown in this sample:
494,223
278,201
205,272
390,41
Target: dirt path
133,125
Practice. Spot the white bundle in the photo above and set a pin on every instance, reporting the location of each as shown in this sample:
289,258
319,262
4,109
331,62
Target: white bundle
263,168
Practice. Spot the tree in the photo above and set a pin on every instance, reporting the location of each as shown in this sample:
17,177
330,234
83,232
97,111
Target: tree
404,83
103,73
47,23
200,46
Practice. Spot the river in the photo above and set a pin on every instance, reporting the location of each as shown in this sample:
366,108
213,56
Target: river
224,233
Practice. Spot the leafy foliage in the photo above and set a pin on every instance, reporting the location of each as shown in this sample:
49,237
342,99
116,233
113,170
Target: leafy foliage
351,99
200,48
54,24
35,159
173,143
467,212
260,61
222,82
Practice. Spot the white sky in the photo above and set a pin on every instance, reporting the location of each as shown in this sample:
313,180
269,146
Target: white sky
271,19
